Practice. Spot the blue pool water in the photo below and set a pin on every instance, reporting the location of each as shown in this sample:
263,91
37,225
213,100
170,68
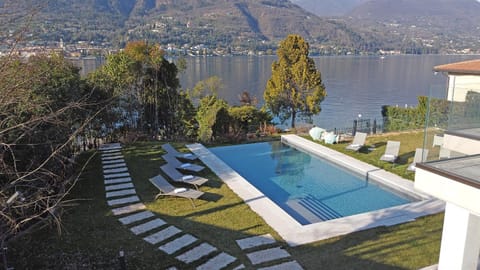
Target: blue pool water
308,188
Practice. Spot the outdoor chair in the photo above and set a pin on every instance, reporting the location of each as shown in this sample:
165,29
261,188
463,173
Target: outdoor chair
358,141
167,189
179,177
391,151
173,161
420,153
169,148
437,141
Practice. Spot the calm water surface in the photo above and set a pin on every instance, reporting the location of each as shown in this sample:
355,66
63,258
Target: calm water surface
308,188
355,85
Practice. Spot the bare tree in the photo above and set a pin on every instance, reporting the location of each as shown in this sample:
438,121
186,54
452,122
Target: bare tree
44,105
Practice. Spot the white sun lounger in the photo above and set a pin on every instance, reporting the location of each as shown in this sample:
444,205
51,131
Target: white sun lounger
170,150
391,151
420,154
173,161
177,176
166,189
437,140
358,141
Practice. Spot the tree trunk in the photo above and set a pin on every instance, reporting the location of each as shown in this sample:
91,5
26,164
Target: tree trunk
294,114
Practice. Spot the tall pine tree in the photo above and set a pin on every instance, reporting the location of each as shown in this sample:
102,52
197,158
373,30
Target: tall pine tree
295,88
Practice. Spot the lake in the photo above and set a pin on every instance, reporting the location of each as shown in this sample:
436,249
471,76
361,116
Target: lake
355,85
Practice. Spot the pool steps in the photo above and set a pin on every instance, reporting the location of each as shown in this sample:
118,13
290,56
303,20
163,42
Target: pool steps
323,211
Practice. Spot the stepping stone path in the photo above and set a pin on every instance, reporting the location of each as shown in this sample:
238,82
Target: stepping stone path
162,235
136,217
115,170
223,259
196,253
115,165
258,253
118,180
120,193
132,213
115,161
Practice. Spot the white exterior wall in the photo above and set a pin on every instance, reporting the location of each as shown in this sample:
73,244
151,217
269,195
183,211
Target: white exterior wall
448,190
460,245
460,144
459,85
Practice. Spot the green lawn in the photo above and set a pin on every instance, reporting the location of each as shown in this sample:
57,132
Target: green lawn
91,237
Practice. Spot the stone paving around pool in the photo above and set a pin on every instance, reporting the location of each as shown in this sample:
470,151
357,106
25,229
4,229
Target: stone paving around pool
194,252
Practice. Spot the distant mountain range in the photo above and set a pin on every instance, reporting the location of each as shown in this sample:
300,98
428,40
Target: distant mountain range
409,26
331,26
447,25
329,7
411,9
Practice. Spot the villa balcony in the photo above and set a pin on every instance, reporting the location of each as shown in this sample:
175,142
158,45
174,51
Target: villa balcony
451,169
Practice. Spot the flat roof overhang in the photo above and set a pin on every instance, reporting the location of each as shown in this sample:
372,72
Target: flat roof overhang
454,180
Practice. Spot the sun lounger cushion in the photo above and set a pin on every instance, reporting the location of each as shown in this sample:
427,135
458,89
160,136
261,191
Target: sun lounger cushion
330,138
178,190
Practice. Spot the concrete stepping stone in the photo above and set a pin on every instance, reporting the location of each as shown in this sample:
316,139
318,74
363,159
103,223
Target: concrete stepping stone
136,217
112,154
240,267
119,186
111,150
115,170
177,244
128,209
255,241
108,147
119,193
116,175
293,265
217,262
114,165
162,235
267,255
112,158
118,180
147,226
196,253
113,161
123,200
112,144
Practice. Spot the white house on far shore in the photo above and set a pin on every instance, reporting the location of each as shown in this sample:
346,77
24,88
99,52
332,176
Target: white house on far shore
456,178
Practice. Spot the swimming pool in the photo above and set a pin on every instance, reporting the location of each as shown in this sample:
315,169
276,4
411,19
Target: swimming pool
295,233
308,188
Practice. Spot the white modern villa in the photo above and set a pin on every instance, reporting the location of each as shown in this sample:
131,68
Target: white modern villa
451,172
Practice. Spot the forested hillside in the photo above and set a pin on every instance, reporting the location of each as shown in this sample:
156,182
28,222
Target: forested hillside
250,23
407,26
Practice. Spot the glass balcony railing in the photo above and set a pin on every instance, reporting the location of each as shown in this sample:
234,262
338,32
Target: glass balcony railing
452,122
